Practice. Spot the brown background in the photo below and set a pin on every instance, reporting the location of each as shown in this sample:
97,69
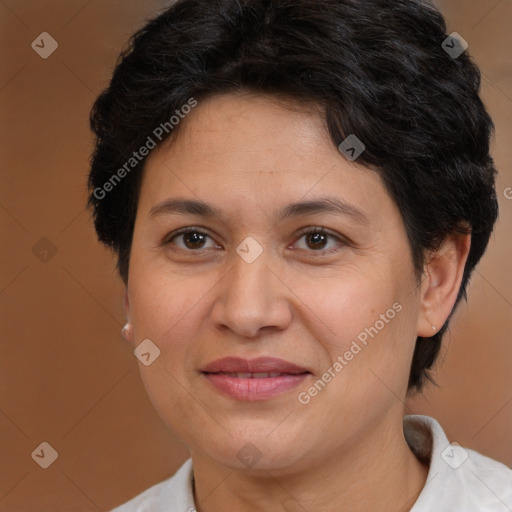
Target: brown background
67,377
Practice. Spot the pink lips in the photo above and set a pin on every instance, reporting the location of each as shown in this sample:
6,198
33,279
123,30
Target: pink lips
254,379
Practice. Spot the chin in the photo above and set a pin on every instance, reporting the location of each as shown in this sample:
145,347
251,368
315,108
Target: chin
258,451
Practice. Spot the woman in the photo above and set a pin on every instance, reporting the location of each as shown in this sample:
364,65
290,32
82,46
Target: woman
297,193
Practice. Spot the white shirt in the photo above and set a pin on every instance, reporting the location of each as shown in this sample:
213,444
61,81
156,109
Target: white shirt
459,479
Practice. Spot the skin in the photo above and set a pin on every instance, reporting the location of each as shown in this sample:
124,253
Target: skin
248,156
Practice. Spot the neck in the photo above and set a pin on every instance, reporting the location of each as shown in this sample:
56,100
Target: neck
378,472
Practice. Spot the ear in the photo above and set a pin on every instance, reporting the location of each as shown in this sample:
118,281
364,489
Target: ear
443,274
127,330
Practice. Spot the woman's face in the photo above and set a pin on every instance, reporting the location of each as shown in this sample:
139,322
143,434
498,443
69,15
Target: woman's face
247,283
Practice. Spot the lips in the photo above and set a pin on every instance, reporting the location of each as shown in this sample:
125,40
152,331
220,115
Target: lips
254,379
253,366
248,375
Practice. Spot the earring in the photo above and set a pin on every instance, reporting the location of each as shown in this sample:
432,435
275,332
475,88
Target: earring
434,327
126,331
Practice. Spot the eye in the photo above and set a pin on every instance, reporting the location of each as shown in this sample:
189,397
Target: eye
192,239
316,238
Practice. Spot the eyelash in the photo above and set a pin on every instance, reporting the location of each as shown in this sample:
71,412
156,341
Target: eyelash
311,230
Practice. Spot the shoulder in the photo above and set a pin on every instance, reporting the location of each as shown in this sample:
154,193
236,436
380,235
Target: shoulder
173,494
459,478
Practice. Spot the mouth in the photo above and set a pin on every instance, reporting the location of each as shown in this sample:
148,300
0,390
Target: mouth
248,375
253,380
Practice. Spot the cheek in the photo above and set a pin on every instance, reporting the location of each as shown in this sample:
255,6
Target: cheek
165,306
367,329
167,309
348,306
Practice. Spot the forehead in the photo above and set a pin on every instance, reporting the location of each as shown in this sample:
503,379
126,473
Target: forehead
255,150
238,126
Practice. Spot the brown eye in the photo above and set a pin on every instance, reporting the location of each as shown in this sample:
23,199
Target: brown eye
317,240
192,239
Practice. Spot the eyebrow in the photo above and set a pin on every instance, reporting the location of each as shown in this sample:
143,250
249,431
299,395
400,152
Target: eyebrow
302,208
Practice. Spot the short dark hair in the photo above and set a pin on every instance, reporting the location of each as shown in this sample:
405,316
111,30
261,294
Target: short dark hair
378,70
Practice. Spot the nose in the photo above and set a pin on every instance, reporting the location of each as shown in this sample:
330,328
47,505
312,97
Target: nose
252,299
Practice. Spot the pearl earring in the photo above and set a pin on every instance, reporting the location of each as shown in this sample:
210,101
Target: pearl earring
126,331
